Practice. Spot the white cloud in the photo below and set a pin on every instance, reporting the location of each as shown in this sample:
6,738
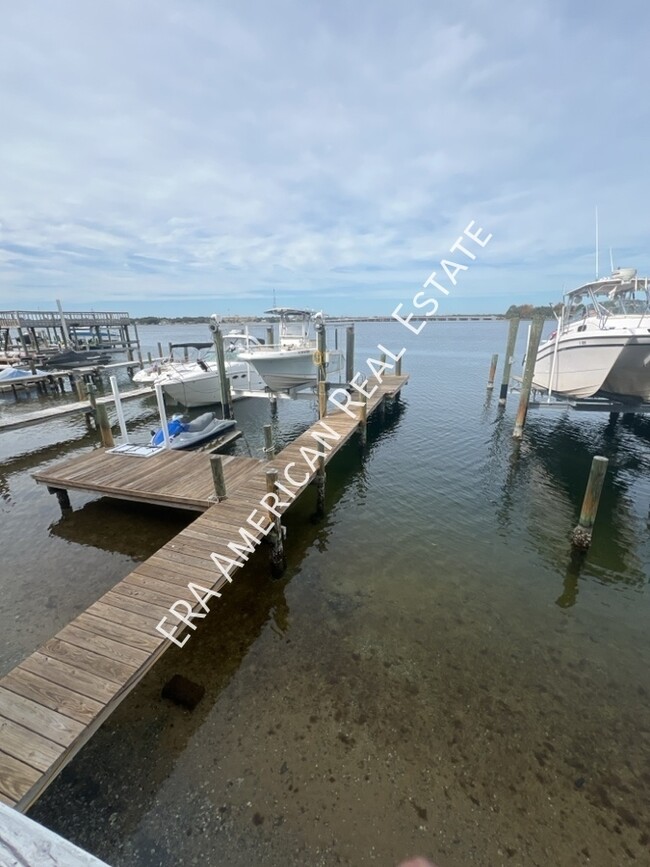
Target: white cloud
153,150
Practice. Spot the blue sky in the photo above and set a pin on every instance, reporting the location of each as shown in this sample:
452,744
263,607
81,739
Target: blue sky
190,157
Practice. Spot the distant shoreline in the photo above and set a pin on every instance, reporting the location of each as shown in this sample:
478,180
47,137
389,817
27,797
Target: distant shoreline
201,320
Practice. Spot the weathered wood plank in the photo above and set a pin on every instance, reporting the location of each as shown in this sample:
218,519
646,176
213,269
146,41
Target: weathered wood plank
28,747
42,720
16,777
67,674
56,697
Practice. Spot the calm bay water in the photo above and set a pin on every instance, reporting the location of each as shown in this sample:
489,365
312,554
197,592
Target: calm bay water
433,675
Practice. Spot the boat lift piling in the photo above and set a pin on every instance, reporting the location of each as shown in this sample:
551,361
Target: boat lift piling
104,426
269,448
349,353
321,361
216,465
529,370
582,533
509,358
221,367
493,371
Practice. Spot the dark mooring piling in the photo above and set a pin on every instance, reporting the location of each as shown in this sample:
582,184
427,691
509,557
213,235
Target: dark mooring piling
510,355
493,370
582,533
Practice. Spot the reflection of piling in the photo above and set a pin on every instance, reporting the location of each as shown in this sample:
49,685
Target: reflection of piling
216,465
269,449
363,420
527,381
582,533
276,535
493,370
104,426
349,353
319,482
510,352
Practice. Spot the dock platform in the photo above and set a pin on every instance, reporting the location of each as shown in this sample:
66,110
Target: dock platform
55,699
41,415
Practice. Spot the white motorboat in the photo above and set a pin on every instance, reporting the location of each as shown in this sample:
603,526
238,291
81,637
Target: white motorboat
294,361
196,383
602,342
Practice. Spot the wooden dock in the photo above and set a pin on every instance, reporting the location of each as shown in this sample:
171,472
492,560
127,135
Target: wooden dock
53,701
41,415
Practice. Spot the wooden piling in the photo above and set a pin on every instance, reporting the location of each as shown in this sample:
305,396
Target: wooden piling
224,382
322,399
269,449
104,426
79,388
398,366
276,535
160,352
493,370
149,358
62,497
527,381
582,533
510,354
349,353
216,465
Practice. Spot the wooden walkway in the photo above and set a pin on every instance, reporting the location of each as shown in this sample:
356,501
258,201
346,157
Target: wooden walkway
53,701
171,478
41,415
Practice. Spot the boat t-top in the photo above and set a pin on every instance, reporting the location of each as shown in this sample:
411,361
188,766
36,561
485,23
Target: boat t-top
293,362
601,346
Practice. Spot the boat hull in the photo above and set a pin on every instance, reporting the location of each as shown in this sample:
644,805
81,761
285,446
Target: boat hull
203,388
583,363
630,375
286,369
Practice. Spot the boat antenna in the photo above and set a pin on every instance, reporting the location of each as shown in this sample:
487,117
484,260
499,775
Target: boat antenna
596,242
611,260
274,301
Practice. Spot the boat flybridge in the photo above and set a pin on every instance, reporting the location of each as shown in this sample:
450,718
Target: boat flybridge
601,346
294,361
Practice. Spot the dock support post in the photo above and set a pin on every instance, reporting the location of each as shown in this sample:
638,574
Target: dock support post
118,408
149,358
363,420
276,536
322,399
162,412
273,400
79,388
398,366
104,427
224,382
527,381
582,533
160,352
216,465
513,327
493,370
349,353
62,497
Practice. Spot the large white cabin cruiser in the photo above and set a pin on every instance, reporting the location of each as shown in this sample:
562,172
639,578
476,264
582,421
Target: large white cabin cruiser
197,383
294,361
602,342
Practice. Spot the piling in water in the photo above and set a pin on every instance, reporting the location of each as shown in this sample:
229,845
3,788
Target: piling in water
582,533
319,482
510,352
349,353
493,370
363,420
104,426
224,382
527,381
269,448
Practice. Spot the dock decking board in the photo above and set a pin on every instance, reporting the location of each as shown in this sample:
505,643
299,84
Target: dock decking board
53,701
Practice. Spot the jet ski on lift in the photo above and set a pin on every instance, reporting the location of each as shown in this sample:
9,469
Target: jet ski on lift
183,433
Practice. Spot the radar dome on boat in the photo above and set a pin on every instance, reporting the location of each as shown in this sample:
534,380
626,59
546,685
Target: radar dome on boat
624,274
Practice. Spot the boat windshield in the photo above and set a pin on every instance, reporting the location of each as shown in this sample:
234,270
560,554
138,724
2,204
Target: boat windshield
608,298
